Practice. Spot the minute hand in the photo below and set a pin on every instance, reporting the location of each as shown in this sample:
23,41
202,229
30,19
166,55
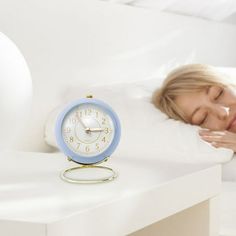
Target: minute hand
80,120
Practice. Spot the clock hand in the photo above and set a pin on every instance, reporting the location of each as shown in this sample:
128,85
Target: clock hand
86,128
95,129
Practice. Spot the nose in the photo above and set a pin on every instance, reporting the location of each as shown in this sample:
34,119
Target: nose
222,112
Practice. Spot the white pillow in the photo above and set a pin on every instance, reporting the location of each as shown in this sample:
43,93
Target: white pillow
145,130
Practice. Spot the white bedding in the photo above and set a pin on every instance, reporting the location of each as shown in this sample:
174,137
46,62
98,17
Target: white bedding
228,209
229,170
146,131
228,199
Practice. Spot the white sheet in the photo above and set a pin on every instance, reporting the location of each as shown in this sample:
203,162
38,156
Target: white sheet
229,170
214,10
228,209
228,199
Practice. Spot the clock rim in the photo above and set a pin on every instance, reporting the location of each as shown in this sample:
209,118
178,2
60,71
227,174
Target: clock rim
75,156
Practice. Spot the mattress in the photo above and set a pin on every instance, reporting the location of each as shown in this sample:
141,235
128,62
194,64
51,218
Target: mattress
229,170
228,199
228,209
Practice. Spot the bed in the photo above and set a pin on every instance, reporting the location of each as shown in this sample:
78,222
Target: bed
227,206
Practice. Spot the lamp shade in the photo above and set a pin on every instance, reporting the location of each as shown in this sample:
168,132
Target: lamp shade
15,93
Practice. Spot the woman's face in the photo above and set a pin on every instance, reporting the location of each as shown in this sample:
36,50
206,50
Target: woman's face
214,108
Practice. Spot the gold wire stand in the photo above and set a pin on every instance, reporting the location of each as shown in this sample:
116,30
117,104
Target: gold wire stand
87,181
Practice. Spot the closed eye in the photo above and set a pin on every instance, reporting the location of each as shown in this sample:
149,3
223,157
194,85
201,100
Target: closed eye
204,120
219,94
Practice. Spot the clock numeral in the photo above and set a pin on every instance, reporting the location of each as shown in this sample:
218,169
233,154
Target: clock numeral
104,139
87,112
97,146
87,149
71,139
66,139
67,130
79,113
103,121
78,145
72,120
106,130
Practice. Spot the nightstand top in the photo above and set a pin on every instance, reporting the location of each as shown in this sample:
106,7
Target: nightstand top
32,191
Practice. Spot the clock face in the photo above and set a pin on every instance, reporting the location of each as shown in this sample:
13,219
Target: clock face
88,130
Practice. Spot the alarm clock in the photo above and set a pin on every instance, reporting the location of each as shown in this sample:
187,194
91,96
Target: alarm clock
87,131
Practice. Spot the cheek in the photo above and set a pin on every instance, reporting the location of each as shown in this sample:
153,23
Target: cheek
230,96
215,124
233,129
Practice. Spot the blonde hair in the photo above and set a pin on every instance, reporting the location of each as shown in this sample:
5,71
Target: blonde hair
183,80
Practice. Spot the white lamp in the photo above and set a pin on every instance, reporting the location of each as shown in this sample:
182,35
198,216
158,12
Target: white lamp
15,93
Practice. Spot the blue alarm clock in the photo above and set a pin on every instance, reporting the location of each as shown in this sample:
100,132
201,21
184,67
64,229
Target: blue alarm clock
87,131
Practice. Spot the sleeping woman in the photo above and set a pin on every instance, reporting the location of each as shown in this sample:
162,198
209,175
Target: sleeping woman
199,95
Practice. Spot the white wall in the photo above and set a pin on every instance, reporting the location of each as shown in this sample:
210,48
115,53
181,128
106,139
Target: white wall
64,38
94,42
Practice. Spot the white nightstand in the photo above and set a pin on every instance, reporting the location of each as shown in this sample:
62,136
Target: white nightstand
34,201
